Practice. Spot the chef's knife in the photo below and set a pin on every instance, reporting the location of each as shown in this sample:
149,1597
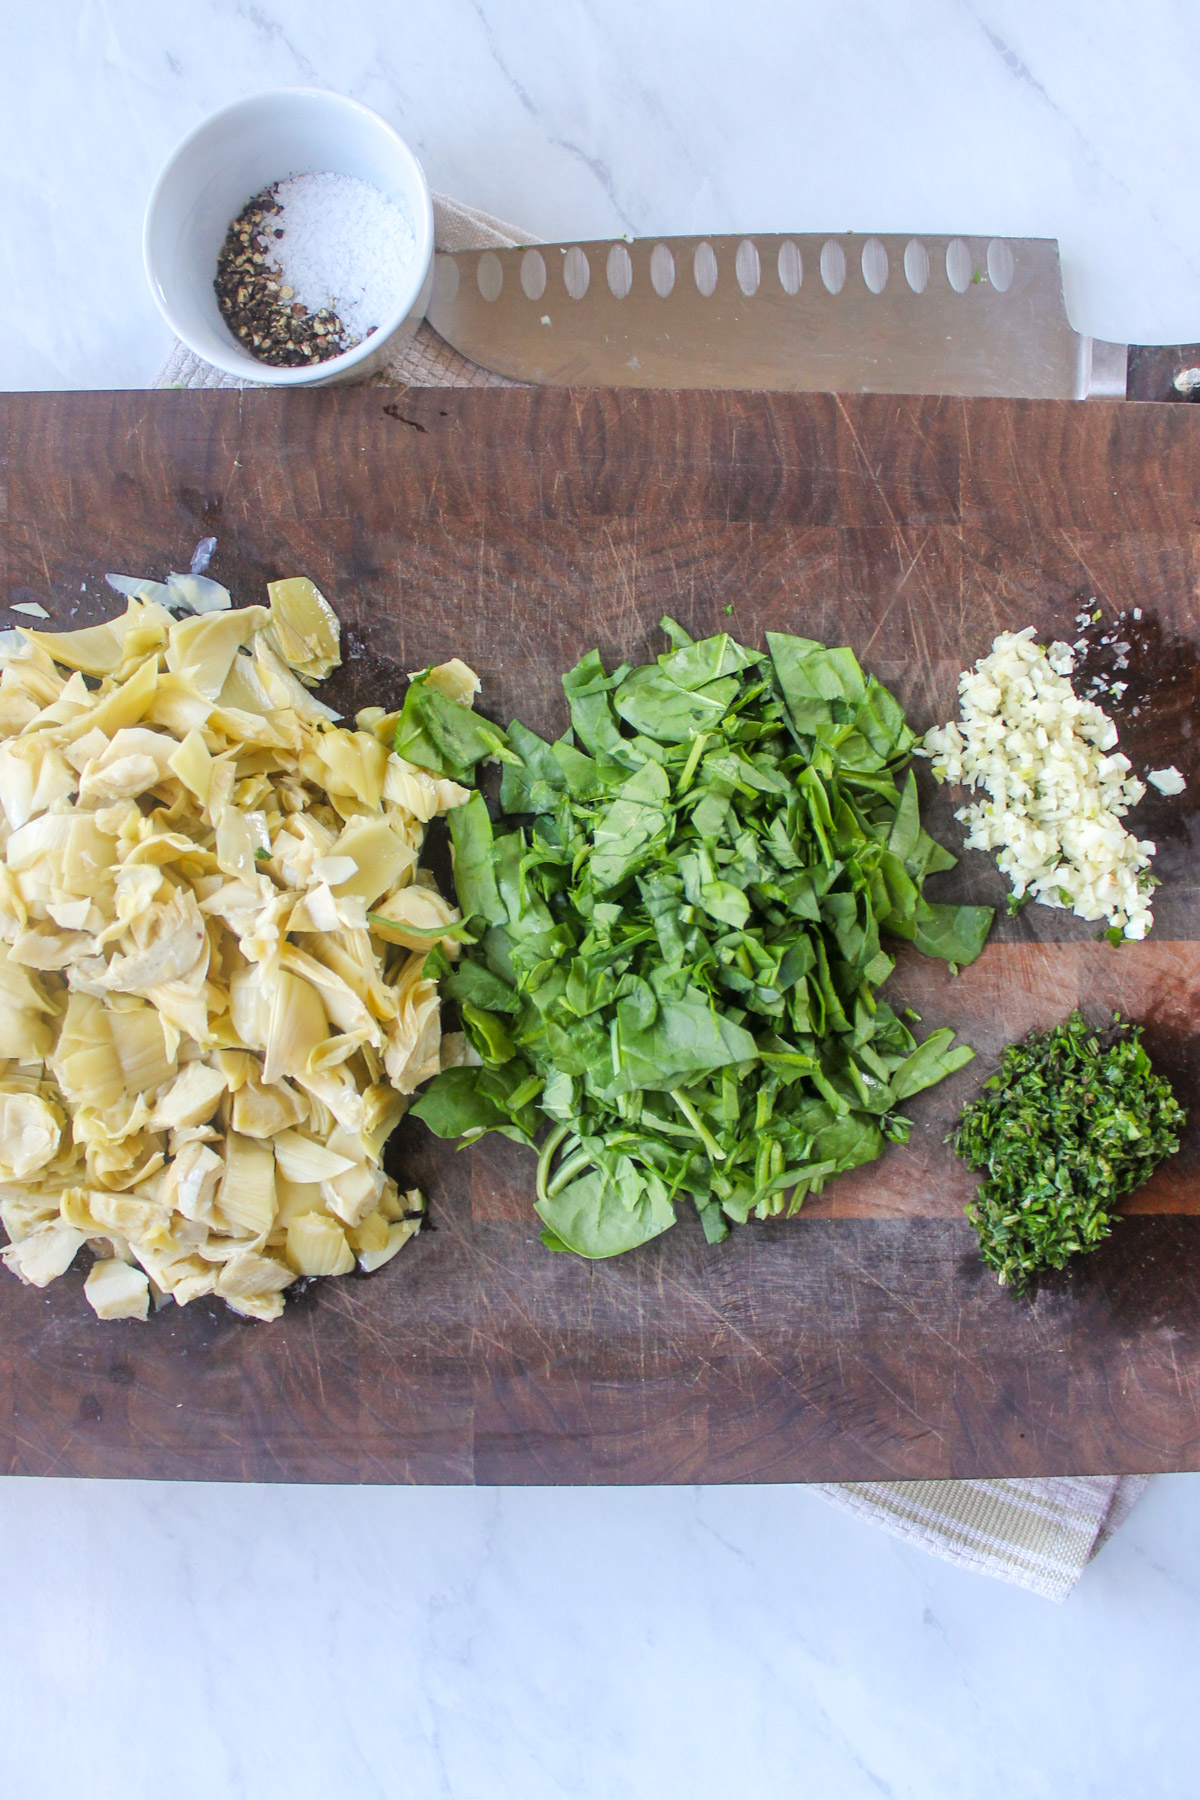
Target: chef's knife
888,315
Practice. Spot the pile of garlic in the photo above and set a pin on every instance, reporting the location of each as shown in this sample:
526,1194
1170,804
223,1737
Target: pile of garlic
213,928
1057,786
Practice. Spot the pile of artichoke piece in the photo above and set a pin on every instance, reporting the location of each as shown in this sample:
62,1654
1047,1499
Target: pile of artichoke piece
213,926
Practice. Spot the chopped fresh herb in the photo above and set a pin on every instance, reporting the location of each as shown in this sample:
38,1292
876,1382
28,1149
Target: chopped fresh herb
1074,1119
678,957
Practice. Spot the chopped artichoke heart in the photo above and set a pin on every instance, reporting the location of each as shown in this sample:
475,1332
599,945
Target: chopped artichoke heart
124,704
370,1259
453,679
295,1198
175,942
297,1027
343,1005
249,1275
301,1158
140,1042
355,764
30,1130
122,1213
305,627
284,688
193,1178
113,1290
25,1031
246,1195
370,1235
316,1245
134,761
198,594
191,1098
261,1110
84,1060
378,857
198,1014
44,1255
192,763
414,917
241,836
243,690
33,775
355,1194
100,649
263,1307
202,649
178,706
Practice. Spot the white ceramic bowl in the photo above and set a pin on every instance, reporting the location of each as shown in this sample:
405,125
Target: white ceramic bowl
234,155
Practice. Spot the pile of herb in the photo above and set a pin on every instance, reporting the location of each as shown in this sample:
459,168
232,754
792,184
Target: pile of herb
1072,1121
677,960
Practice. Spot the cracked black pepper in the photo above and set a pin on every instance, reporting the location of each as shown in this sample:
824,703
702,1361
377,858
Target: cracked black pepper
256,303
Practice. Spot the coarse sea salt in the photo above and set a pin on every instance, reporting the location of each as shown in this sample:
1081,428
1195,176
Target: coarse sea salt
339,243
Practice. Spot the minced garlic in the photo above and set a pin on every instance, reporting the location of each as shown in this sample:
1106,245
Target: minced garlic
213,927
1057,786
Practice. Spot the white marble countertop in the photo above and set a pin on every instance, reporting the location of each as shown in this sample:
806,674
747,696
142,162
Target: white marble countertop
594,116
485,1645
226,1643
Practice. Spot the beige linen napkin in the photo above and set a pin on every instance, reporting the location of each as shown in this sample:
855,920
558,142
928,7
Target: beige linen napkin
1039,1534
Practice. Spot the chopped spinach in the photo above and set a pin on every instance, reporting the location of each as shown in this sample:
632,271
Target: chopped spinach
676,960
1073,1120
443,735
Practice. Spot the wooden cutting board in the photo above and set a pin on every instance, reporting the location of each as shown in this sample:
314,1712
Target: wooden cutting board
517,529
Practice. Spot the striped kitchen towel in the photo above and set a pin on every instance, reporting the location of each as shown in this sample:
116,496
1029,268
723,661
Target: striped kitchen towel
1039,1534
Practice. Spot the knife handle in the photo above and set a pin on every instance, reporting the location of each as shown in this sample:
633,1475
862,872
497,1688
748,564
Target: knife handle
1154,369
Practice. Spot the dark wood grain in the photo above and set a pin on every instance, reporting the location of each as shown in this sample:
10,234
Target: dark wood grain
517,528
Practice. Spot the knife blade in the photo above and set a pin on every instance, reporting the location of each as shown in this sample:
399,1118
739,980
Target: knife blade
851,314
